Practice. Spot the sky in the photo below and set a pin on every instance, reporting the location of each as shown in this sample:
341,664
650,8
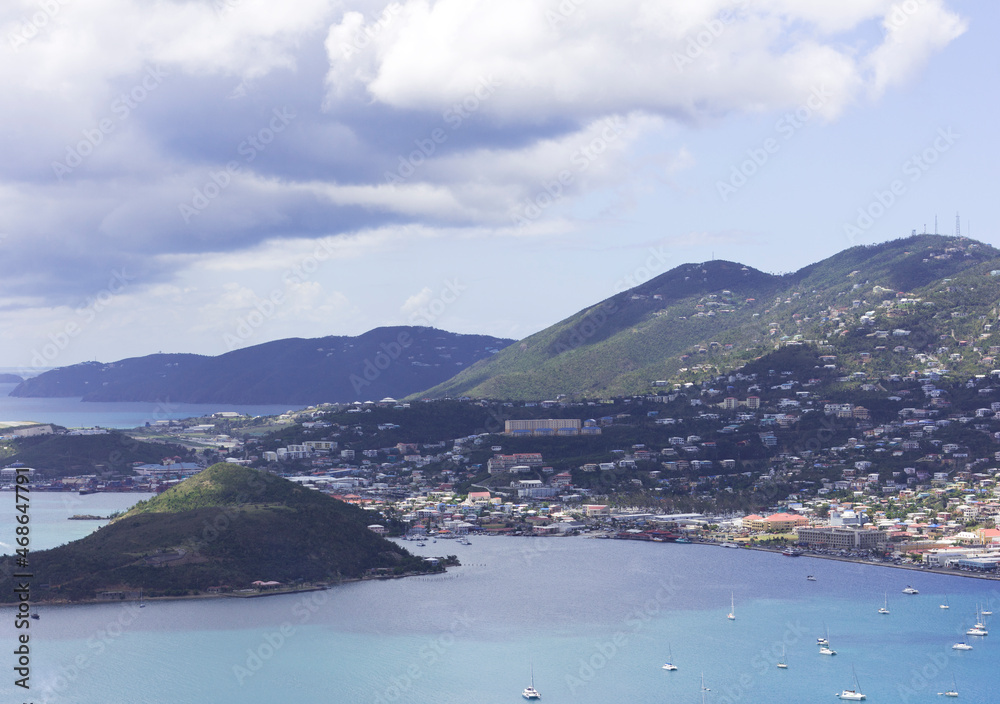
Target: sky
203,175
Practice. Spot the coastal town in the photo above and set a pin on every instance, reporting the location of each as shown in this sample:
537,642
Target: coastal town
764,459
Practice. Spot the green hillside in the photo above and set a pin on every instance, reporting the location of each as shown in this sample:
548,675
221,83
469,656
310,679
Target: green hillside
228,525
68,455
699,320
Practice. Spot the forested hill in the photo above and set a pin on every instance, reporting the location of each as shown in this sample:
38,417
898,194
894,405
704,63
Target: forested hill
390,361
228,526
917,303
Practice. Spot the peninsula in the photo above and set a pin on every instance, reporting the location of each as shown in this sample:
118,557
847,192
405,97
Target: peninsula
226,529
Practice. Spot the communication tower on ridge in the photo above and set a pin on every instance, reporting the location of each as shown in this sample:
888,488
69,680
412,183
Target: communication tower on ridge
958,226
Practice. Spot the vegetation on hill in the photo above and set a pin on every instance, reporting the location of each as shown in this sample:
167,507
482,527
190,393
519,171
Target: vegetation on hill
700,320
390,361
69,455
227,526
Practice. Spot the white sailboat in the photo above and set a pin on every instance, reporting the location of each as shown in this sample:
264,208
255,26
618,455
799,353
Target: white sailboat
854,695
885,609
979,629
824,646
945,605
953,692
142,604
962,645
910,590
703,688
669,665
732,607
781,663
530,692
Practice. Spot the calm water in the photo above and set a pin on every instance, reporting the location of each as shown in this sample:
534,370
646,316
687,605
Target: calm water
595,618
74,413
50,512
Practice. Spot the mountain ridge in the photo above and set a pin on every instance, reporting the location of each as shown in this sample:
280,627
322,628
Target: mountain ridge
387,361
701,319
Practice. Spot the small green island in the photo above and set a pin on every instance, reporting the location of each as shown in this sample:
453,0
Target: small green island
227,530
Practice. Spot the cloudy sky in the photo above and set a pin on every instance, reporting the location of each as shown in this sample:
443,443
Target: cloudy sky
199,175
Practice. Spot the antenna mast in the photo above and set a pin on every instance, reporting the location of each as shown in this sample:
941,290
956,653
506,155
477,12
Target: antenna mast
958,226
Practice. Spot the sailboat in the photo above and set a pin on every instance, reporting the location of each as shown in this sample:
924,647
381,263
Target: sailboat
854,695
885,608
142,604
732,608
703,688
824,646
979,629
530,692
953,692
945,605
669,665
781,663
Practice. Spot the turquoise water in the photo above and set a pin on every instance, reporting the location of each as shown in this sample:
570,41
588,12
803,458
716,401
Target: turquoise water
50,512
595,620
74,413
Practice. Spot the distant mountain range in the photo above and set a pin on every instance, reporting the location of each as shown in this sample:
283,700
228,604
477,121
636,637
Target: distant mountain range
922,304
389,361
913,305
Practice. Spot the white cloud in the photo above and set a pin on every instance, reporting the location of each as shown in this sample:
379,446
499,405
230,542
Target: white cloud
576,60
417,301
914,29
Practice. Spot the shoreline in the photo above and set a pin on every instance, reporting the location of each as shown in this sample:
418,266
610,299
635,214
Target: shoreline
322,587
839,558
221,595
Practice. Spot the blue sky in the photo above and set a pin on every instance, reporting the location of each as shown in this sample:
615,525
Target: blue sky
202,175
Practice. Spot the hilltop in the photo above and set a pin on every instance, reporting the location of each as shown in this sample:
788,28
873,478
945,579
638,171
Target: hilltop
874,311
226,526
389,361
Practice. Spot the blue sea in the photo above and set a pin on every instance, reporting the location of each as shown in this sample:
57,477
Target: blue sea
74,413
593,619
